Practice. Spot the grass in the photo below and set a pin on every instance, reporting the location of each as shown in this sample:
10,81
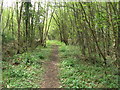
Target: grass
54,42
76,73
25,70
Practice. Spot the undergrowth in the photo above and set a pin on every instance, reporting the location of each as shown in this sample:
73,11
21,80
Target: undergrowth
54,42
76,73
25,70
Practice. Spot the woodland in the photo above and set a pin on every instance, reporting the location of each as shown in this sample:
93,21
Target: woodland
60,44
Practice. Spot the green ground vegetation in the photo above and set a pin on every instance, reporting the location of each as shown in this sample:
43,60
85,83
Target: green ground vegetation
25,70
76,72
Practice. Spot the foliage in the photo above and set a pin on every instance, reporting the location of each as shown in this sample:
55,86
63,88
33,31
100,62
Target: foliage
76,73
25,70
54,42
91,32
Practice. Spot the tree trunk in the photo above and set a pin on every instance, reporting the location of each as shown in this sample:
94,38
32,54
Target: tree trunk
19,25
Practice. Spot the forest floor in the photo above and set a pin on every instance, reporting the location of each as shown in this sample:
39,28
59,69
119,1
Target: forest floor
51,70
57,66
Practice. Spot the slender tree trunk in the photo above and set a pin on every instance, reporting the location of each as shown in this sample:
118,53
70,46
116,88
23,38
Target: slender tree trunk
93,34
118,59
19,25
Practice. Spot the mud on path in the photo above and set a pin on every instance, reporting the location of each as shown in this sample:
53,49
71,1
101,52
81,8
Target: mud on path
51,74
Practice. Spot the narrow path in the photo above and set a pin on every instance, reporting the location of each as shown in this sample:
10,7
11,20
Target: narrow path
51,79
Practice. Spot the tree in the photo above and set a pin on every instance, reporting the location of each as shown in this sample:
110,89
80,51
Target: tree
19,16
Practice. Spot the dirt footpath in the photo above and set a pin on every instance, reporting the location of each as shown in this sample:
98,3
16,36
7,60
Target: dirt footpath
51,74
